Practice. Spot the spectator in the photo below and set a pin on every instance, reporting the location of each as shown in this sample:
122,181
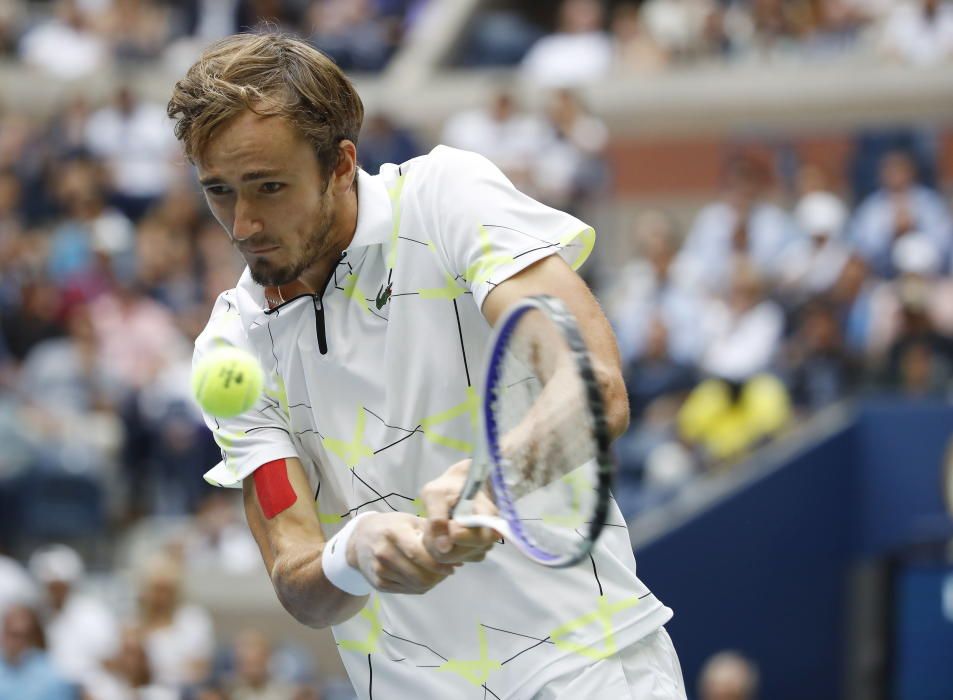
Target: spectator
820,369
919,32
678,26
728,676
634,48
579,51
813,266
502,132
134,140
138,335
919,276
382,141
743,332
137,30
65,46
656,373
26,672
352,33
178,636
742,223
650,285
898,208
570,165
127,673
851,296
93,242
81,631
16,586
253,677
36,318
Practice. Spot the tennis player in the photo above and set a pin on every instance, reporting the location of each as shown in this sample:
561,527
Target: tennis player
369,300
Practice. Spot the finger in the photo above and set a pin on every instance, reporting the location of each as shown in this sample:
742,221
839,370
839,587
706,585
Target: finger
416,551
399,570
437,538
472,537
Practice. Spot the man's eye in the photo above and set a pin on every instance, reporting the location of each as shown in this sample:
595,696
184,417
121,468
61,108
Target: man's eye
216,190
271,187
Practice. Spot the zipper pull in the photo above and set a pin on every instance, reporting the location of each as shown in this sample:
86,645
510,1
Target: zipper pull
319,324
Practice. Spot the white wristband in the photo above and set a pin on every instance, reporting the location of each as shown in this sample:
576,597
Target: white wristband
335,566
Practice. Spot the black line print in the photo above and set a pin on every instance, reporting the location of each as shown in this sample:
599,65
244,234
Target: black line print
490,692
273,353
595,573
516,634
533,250
400,440
268,427
370,678
395,427
544,641
415,644
377,500
376,492
413,240
463,347
405,294
510,228
308,430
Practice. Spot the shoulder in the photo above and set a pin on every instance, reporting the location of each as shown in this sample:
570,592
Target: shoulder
224,324
448,162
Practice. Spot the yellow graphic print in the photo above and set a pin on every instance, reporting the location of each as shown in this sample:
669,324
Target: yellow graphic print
450,291
601,616
394,193
351,291
354,451
477,670
579,485
482,270
368,645
469,405
587,239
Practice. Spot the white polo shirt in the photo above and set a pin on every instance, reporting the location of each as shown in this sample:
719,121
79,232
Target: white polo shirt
373,386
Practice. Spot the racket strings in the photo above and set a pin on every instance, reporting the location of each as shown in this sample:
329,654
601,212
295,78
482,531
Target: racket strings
547,441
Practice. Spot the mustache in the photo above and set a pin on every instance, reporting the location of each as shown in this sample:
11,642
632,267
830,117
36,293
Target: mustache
255,244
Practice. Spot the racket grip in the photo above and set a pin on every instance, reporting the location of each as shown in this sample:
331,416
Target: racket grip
491,521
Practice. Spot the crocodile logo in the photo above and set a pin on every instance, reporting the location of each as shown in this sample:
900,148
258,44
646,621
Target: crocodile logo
383,296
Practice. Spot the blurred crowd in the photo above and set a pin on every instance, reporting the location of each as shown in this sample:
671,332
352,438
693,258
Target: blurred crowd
790,290
590,39
74,39
61,640
769,308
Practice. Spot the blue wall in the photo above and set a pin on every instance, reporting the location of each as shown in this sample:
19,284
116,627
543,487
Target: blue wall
765,571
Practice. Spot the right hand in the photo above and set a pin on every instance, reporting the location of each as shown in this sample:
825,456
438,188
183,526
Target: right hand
388,550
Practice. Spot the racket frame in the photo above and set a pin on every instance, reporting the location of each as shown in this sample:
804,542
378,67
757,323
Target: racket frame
488,460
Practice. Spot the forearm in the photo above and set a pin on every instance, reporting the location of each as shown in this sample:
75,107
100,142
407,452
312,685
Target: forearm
306,593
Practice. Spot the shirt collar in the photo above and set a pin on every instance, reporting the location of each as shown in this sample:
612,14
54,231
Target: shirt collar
374,211
374,224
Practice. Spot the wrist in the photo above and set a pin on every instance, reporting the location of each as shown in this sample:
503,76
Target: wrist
337,558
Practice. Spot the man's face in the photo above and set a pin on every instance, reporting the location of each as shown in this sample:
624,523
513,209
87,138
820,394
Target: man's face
264,185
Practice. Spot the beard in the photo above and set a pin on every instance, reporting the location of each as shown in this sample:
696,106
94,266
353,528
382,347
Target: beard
317,246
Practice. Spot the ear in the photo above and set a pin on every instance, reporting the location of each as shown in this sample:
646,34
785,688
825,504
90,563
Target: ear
343,175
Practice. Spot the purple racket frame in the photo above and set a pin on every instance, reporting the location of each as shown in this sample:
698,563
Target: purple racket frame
563,319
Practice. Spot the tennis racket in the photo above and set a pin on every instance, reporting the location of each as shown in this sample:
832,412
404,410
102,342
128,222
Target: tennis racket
542,452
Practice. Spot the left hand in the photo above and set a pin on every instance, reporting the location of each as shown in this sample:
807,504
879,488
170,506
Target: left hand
447,541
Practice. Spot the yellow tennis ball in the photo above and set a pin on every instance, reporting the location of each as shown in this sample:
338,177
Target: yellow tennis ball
227,382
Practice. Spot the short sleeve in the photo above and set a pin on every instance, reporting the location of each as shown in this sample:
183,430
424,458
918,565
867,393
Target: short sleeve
261,434
485,230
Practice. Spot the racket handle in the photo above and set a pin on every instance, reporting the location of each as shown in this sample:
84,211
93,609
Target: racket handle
491,521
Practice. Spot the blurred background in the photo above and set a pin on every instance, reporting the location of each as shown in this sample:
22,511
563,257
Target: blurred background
770,180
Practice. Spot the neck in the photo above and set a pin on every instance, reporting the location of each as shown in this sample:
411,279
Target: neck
342,233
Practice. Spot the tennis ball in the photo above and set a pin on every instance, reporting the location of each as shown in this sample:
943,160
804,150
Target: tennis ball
227,382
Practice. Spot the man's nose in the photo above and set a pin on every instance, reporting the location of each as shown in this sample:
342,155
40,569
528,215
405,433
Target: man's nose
246,223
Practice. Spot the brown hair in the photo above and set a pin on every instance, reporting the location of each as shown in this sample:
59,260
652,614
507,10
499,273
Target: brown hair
270,74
